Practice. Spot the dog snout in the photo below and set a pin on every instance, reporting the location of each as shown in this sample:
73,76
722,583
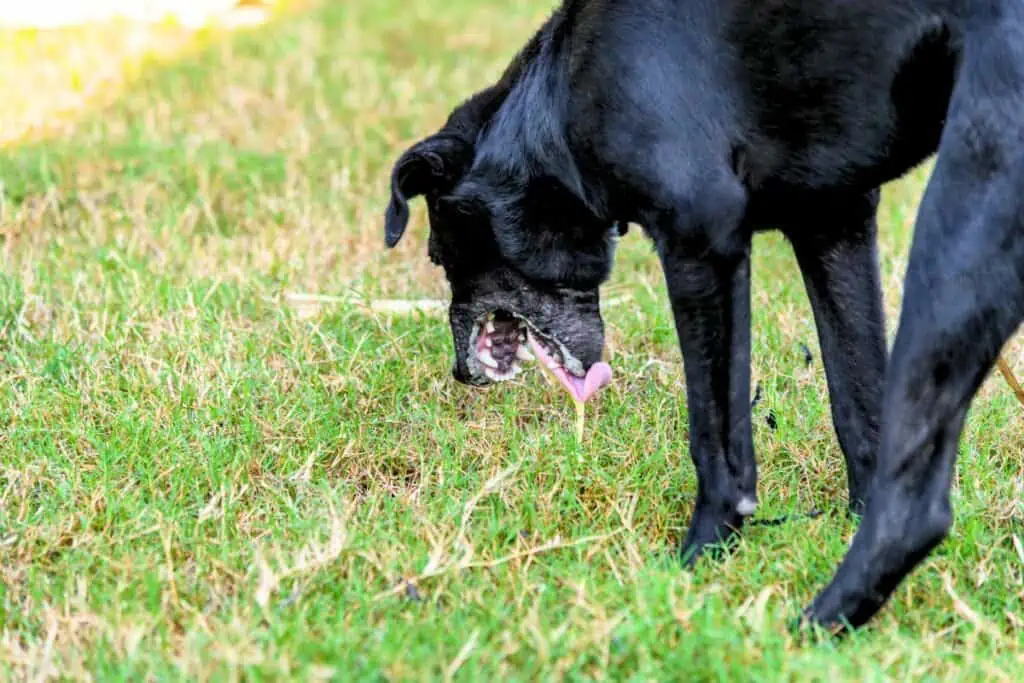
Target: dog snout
461,374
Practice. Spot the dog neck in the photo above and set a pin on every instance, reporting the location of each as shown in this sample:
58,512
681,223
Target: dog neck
527,137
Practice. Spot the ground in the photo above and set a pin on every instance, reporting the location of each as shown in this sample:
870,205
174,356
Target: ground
218,461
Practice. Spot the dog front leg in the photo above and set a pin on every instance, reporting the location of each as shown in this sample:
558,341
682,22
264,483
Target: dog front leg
707,272
834,241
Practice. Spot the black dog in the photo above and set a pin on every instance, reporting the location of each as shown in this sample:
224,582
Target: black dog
704,121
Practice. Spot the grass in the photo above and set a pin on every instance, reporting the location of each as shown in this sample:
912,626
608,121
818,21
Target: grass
201,479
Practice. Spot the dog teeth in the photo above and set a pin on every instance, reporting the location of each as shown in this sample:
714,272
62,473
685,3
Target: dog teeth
490,327
523,353
487,359
502,376
488,342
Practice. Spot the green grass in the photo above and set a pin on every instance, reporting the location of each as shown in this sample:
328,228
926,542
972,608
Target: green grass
200,479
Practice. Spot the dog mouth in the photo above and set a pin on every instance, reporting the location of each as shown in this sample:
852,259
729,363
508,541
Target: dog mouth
503,341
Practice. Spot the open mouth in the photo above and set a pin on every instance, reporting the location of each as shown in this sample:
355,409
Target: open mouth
503,341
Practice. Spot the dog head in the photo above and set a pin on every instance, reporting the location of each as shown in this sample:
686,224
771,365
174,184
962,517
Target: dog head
524,256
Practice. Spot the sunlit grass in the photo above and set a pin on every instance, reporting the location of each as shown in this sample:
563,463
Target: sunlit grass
52,76
200,479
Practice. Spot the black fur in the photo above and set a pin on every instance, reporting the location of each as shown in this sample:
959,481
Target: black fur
707,120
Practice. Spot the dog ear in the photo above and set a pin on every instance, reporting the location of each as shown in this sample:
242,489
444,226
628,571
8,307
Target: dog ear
466,201
431,165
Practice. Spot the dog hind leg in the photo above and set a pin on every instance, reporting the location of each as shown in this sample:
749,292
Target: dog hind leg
963,298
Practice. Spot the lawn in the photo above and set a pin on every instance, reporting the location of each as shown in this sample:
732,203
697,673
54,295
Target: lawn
217,461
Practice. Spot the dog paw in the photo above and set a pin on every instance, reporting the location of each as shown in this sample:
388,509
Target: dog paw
714,538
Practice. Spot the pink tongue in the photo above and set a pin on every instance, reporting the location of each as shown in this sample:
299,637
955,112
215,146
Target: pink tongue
598,377
581,388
